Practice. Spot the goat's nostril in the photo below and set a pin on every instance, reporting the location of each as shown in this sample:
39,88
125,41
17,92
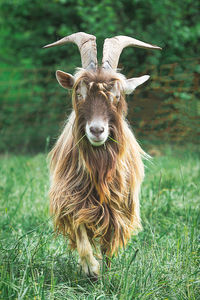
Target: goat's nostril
96,130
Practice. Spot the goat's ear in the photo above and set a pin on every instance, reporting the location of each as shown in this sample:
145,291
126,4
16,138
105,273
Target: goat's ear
132,83
66,80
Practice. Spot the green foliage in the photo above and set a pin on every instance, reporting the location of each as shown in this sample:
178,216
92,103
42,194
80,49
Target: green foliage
27,25
32,106
35,265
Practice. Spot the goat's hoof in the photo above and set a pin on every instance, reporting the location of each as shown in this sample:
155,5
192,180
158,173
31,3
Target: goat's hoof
90,270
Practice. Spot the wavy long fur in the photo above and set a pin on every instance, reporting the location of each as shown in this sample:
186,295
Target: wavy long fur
96,186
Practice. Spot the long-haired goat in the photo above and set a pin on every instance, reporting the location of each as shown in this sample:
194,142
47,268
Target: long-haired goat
96,166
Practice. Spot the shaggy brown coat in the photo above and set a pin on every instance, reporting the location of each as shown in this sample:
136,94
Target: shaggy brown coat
97,186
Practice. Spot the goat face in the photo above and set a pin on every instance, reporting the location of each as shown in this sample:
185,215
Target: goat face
99,102
99,106
93,111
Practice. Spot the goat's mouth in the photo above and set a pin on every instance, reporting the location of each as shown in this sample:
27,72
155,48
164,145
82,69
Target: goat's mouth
96,141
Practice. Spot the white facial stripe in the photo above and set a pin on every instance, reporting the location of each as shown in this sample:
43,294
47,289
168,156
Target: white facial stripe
97,140
82,90
115,91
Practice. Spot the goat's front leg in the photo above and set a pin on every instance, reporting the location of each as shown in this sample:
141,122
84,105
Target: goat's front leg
89,264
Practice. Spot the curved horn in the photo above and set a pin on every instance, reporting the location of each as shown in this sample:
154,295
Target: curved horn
113,47
87,47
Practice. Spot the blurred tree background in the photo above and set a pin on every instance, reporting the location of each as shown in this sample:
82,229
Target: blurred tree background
33,106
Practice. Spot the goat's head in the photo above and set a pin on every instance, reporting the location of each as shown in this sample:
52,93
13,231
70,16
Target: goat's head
98,92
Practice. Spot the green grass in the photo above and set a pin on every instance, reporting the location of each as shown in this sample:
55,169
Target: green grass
162,262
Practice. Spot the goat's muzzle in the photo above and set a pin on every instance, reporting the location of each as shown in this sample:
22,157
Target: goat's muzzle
97,132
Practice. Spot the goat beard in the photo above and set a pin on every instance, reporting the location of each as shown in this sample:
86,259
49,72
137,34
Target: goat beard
100,162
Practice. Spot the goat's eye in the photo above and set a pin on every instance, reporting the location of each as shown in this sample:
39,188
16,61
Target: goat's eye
117,97
79,96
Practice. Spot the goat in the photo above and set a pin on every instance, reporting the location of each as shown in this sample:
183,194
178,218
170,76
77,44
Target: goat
96,164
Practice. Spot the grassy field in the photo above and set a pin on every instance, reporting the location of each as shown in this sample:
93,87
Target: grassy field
162,262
